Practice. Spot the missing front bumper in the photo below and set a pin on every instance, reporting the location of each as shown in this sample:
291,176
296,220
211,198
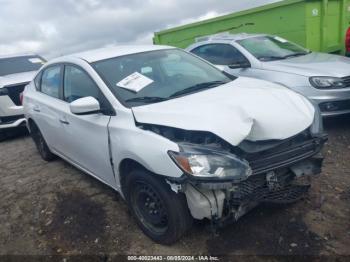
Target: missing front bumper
228,204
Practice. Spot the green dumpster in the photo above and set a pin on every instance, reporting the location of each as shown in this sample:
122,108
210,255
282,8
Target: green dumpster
319,25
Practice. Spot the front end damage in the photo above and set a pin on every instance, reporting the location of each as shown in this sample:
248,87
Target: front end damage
279,172
227,202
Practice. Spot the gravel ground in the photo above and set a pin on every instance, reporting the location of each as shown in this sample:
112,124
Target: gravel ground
54,209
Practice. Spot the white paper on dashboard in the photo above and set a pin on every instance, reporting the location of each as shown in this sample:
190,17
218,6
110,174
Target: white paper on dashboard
135,82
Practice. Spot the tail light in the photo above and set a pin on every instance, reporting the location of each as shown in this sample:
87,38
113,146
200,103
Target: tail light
347,40
21,98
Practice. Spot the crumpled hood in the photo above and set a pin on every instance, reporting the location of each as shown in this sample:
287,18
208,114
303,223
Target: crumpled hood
16,78
314,64
242,109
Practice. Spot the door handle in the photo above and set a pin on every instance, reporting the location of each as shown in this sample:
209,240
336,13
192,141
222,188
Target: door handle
65,122
36,108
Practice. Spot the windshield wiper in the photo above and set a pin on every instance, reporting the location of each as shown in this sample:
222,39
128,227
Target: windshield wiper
198,87
155,99
270,58
296,54
150,99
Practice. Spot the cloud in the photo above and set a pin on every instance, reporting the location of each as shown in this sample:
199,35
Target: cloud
53,28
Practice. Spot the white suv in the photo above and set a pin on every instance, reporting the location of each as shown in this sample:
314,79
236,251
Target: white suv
175,136
15,73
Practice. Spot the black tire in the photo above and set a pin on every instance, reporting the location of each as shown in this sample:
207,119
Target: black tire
41,144
161,214
3,136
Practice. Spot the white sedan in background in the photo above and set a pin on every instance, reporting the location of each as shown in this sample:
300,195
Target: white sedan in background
174,135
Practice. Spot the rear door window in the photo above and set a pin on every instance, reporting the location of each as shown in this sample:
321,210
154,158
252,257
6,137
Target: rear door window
51,81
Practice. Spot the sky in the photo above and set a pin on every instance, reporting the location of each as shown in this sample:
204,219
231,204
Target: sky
58,27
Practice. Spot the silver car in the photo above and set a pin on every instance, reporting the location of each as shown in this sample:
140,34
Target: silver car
323,78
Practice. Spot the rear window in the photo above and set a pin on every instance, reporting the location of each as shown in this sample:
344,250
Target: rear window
15,65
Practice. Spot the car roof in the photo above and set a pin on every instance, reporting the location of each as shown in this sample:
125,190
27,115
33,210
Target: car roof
115,51
17,55
226,37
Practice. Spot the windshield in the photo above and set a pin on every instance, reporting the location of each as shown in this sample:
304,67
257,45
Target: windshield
15,65
269,48
156,76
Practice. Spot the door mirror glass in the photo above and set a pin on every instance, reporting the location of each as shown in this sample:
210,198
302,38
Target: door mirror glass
85,106
239,65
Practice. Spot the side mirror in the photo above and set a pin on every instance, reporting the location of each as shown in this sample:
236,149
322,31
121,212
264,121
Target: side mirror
239,65
85,106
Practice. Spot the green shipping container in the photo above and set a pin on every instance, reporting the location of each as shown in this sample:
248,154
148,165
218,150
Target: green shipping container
319,25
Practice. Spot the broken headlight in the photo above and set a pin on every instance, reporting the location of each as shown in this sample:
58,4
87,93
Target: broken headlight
325,82
204,164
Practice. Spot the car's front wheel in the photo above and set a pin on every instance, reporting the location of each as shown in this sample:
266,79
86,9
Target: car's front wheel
162,214
41,144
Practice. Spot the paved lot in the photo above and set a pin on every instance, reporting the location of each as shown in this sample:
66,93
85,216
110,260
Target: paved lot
52,208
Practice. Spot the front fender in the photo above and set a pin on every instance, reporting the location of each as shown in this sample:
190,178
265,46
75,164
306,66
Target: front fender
145,147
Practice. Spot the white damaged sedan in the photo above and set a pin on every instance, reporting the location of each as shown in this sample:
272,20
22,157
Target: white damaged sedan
177,138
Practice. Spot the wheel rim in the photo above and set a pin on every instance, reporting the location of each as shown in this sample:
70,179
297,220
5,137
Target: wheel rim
149,208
